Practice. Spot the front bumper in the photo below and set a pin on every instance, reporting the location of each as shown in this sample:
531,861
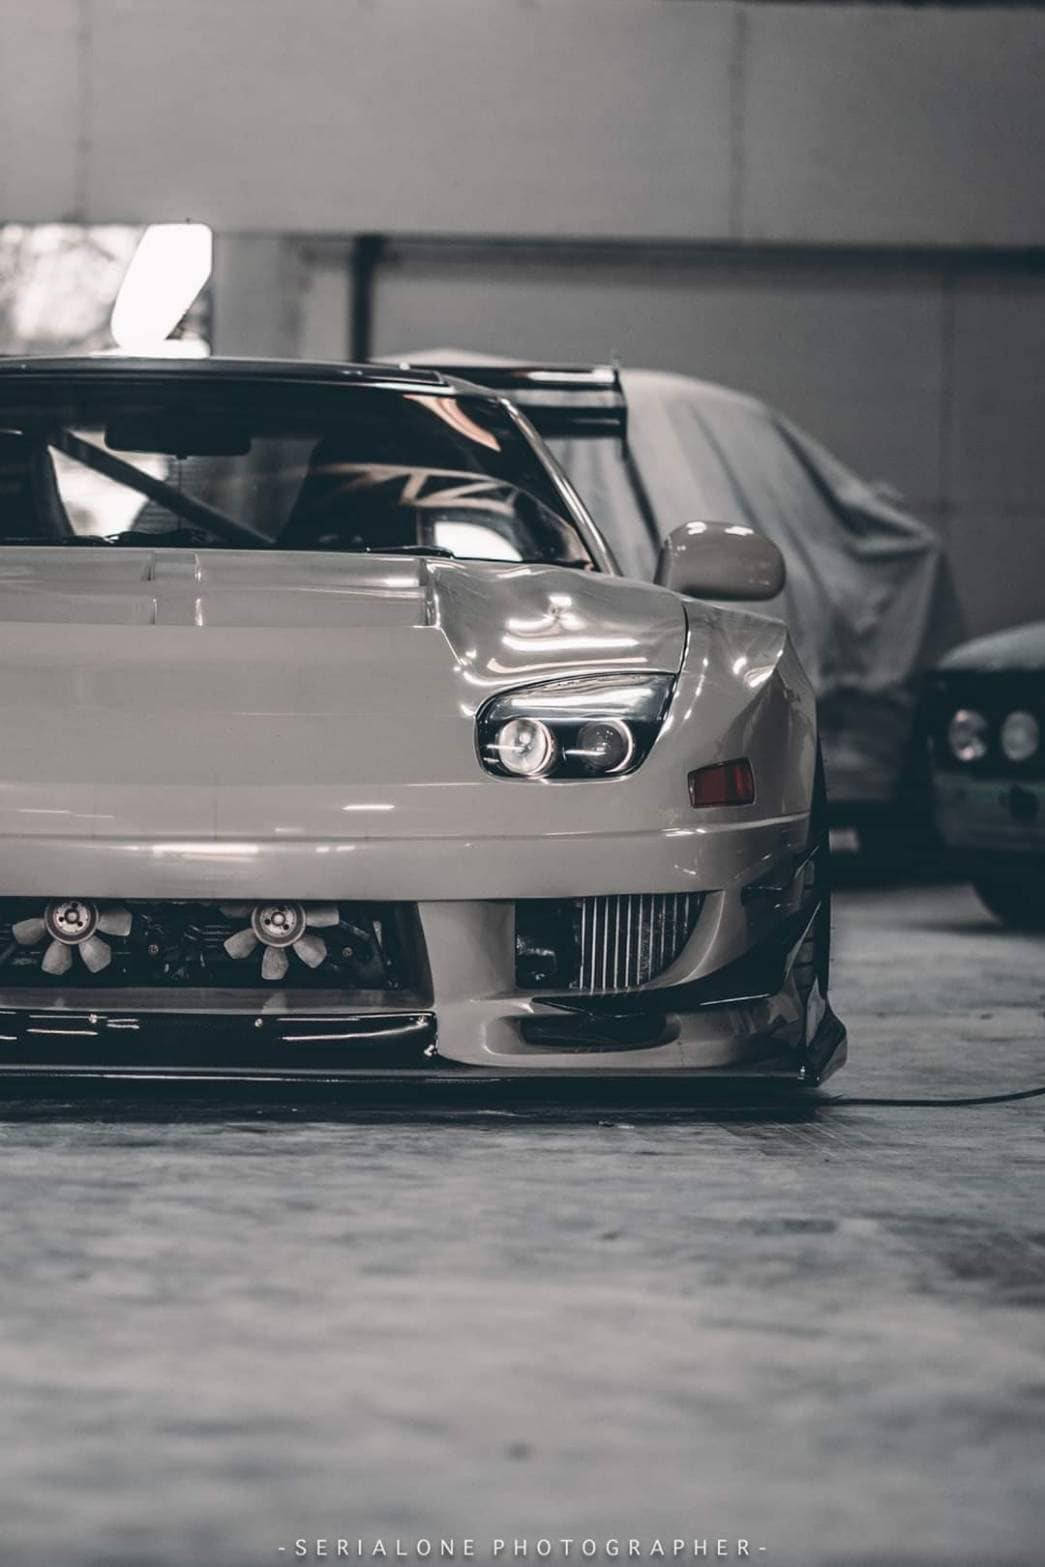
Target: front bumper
733,1003
464,1003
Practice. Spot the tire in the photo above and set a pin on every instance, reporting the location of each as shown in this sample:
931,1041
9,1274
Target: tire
1016,900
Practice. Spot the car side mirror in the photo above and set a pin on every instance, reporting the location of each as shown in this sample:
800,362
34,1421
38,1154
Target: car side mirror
715,560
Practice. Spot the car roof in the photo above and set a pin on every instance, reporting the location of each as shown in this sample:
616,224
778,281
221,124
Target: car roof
119,367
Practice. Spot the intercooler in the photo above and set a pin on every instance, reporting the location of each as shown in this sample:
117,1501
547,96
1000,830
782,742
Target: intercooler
608,943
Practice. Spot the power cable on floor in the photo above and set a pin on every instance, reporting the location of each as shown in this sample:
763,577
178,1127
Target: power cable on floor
981,1099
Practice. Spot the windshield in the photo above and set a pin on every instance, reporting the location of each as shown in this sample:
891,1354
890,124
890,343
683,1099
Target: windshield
260,464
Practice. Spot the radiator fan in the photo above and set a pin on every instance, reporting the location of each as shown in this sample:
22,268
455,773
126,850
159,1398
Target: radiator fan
74,925
278,927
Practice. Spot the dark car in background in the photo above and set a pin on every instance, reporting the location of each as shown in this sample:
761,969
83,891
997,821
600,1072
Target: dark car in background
985,716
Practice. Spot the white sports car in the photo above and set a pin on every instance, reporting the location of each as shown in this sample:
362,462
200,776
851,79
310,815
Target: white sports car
334,742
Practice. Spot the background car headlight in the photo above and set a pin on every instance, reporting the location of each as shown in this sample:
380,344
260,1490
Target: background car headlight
589,726
1020,736
967,735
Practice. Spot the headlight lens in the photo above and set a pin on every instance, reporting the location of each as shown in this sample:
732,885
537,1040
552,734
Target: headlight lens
605,746
967,735
526,748
588,727
1020,736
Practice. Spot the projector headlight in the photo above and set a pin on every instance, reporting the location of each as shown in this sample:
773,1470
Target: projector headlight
592,726
605,746
967,735
526,748
1020,736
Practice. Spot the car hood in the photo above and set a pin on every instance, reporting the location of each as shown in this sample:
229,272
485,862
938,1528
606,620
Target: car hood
1019,648
168,691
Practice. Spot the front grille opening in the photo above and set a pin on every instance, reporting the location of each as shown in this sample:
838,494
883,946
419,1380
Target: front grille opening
368,947
616,942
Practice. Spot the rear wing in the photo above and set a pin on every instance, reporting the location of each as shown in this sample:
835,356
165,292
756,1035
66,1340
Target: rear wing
560,401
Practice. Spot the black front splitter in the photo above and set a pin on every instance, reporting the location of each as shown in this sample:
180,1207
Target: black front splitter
61,1064
56,1042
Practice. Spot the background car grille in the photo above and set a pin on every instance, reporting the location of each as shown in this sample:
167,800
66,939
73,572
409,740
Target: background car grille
616,942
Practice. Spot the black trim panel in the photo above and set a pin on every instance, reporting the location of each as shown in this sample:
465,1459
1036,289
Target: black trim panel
98,1044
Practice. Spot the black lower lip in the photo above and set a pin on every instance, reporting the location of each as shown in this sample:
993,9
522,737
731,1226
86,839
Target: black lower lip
210,1045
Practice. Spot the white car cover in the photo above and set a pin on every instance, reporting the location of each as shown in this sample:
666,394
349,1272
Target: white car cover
869,601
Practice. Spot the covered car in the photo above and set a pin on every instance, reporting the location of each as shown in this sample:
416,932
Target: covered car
868,599
985,717
335,742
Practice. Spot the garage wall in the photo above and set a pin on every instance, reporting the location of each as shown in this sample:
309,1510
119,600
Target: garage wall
696,119
840,347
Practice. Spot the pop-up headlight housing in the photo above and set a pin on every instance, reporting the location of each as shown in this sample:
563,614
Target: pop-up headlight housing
590,726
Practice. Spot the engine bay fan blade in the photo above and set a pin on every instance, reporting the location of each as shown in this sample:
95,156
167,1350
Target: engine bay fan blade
28,932
275,963
96,953
319,916
311,950
115,921
242,944
236,911
58,959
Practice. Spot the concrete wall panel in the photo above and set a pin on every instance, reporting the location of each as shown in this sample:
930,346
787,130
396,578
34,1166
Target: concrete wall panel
891,125
855,357
595,116
998,560
41,123
258,288
838,124
997,426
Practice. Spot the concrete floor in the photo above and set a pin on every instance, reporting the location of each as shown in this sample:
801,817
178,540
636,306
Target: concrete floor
818,1333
